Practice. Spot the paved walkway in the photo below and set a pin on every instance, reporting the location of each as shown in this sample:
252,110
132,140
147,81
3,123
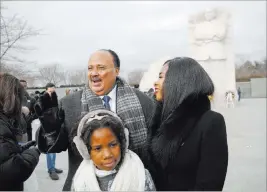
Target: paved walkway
246,127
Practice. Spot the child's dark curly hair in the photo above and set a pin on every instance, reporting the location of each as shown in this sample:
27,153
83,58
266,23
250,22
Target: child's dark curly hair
109,121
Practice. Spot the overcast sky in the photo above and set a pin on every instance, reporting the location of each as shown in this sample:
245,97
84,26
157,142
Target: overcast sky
140,32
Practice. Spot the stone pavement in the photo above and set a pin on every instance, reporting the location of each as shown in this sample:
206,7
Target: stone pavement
246,129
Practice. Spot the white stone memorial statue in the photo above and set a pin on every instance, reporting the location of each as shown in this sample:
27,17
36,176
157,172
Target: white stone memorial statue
210,39
151,75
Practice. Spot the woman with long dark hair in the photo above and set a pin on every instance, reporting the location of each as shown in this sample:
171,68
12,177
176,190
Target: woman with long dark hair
188,142
17,162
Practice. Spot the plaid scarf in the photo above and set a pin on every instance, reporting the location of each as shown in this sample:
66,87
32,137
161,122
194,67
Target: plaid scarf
128,109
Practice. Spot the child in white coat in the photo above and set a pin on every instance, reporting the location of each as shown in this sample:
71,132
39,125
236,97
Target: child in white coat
108,164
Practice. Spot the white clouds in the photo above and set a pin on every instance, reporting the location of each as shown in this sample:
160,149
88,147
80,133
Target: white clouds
141,32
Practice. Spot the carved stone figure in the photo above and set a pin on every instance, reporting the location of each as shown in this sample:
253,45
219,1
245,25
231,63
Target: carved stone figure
210,39
209,31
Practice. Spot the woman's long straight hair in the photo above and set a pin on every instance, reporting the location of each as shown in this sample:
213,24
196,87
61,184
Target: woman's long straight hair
11,96
184,79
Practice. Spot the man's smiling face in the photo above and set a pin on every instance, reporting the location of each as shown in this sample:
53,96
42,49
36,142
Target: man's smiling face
102,72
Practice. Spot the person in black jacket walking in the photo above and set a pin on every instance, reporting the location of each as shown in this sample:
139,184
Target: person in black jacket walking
28,102
188,142
17,162
105,89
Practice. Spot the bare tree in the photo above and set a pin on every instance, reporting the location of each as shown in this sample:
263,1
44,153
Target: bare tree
134,77
51,73
14,69
78,77
14,33
31,79
64,77
249,69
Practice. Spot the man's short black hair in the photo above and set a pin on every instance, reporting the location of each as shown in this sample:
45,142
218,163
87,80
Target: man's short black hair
23,81
136,86
116,58
48,85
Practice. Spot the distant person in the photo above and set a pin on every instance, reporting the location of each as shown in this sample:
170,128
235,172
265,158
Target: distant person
23,125
28,102
151,93
50,94
67,91
136,86
26,97
17,160
239,93
37,95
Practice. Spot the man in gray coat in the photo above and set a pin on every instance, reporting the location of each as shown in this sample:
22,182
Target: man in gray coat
106,90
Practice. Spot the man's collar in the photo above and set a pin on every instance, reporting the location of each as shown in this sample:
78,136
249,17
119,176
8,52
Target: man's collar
112,93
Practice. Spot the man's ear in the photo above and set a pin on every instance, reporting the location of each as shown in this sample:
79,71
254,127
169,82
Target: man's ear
117,71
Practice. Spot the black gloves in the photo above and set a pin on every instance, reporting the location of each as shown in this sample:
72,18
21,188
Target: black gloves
50,116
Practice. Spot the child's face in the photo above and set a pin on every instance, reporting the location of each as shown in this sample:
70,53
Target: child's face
105,149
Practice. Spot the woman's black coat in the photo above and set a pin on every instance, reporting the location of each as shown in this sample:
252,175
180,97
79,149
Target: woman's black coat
16,165
189,150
